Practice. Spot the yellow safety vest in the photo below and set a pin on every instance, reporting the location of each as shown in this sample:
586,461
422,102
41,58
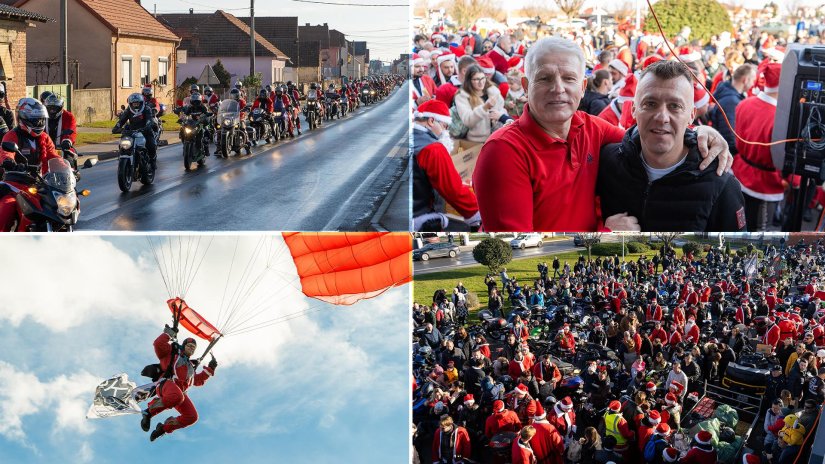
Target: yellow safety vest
611,428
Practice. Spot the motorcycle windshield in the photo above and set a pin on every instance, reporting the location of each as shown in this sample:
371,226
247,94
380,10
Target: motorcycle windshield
140,140
60,176
229,109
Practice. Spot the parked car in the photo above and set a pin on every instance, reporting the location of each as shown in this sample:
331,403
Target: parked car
527,240
577,241
436,250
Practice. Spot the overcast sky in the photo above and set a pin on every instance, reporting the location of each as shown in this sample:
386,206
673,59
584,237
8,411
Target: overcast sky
385,29
331,386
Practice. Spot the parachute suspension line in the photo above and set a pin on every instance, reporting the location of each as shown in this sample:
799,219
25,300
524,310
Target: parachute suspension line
160,269
186,266
280,319
241,292
180,265
241,303
231,265
257,310
197,269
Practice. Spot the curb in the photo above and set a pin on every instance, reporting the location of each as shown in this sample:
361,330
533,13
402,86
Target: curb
375,222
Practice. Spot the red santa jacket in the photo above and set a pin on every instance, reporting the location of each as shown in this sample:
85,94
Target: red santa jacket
460,441
675,338
692,334
65,123
653,313
547,443
504,421
567,342
787,329
42,146
499,58
698,455
660,334
753,166
562,421
266,104
435,161
548,374
427,85
704,296
522,453
515,368
612,112
679,316
645,433
525,407
185,375
772,335
692,298
819,335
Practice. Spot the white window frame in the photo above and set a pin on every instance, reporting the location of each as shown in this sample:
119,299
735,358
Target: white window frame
126,80
163,78
148,75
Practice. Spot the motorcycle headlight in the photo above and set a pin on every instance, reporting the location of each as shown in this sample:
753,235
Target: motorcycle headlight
227,122
187,130
125,144
366,91
66,203
372,92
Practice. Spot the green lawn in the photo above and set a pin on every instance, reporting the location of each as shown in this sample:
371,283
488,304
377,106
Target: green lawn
84,138
170,122
100,124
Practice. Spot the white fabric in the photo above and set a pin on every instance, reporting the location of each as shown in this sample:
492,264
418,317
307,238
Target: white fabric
654,174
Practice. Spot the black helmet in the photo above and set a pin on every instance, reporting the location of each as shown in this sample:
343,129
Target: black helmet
195,99
262,93
2,92
332,86
147,91
235,94
31,116
54,105
289,83
194,89
207,91
313,86
44,96
136,103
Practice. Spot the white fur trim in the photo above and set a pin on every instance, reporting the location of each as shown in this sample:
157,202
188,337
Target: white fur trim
487,70
766,98
772,89
702,101
692,56
619,65
436,116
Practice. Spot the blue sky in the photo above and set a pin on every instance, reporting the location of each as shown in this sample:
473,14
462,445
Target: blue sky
385,29
328,387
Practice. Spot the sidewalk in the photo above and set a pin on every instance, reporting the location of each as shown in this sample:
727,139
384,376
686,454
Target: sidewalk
394,212
108,150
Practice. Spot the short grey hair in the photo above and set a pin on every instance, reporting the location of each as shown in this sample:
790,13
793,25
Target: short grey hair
550,45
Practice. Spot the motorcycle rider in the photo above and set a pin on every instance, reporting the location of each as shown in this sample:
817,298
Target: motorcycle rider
140,118
44,96
331,95
211,99
198,111
35,145
149,98
280,104
295,96
61,124
263,101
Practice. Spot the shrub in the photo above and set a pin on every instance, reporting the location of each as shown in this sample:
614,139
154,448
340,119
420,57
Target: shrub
705,18
691,247
607,249
493,253
472,300
656,245
636,247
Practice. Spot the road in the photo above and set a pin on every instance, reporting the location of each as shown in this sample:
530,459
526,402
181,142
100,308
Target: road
466,257
333,178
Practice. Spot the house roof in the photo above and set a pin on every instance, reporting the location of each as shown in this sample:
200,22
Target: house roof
129,17
16,13
272,27
218,34
319,33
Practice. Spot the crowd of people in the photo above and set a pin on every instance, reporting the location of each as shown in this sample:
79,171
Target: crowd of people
589,93
603,360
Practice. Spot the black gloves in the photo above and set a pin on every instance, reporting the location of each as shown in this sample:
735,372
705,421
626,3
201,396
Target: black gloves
116,129
213,363
171,331
8,165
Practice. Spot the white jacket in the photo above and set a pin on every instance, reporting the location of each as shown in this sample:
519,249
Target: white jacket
477,119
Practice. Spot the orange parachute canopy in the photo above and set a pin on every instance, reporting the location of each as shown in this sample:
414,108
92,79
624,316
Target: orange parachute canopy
191,320
343,268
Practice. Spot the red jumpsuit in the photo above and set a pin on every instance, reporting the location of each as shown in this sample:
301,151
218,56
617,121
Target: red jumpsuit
461,445
44,149
172,392
772,335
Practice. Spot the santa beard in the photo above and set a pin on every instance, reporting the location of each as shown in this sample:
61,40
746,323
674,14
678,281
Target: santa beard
447,141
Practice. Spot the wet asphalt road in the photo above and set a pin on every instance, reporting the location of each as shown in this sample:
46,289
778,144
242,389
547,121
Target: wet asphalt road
333,178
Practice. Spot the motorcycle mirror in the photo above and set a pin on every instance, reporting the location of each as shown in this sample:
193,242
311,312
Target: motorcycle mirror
66,144
90,163
10,147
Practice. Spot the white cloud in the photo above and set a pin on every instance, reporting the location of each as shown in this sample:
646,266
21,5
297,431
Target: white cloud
86,454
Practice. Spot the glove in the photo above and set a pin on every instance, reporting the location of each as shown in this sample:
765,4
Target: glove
213,363
8,165
171,331
116,129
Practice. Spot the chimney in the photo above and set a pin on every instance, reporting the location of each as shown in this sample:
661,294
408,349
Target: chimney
191,11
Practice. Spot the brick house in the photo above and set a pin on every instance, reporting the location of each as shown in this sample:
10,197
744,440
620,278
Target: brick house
116,44
220,35
14,24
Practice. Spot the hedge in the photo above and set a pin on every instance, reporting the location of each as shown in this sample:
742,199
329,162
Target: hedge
607,249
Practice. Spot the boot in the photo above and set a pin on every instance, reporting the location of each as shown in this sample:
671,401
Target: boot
145,421
157,433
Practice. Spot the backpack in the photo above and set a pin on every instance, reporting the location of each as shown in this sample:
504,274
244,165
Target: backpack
457,128
650,448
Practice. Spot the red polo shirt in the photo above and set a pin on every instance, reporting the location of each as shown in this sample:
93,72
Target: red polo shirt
526,180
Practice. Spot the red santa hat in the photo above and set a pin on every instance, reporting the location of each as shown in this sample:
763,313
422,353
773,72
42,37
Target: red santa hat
425,55
619,65
540,414
773,51
493,35
688,55
516,62
650,60
750,458
468,399
670,454
700,96
521,389
654,417
418,59
650,386
521,49
662,429
678,387
772,72
614,406
566,404
629,90
498,406
435,109
565,327
703,437
486,64
437,36
442,58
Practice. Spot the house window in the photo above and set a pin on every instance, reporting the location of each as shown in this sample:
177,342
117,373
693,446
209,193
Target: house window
163,70
145,77
126,72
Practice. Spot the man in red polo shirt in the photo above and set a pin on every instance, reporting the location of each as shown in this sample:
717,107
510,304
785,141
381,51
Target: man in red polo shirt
539,173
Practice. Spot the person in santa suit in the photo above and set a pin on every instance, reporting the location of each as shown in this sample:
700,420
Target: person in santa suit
678,315
435,179
548,444
176,361
502,420
692,296
671,411
691,331
451,443
61,125
423,86
787,328
445,69
501,53
563,418
547,372
659,332
647,427
675,335
522,452
761,183
654,311
566,339
613,112
520,363
772,334
770,296
520,401
446,92
702,451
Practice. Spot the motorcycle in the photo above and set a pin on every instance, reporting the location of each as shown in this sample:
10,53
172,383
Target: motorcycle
281,124
312,113
133,161
258,121
332,108
195,142
365,96
495,327
48,202
344,106
231,137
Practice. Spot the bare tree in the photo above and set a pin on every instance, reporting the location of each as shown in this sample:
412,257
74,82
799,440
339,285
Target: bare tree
622,10
570,8
465,12
588,239
667,237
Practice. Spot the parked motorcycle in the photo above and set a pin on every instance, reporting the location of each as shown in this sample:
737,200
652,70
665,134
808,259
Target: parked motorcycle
47,202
